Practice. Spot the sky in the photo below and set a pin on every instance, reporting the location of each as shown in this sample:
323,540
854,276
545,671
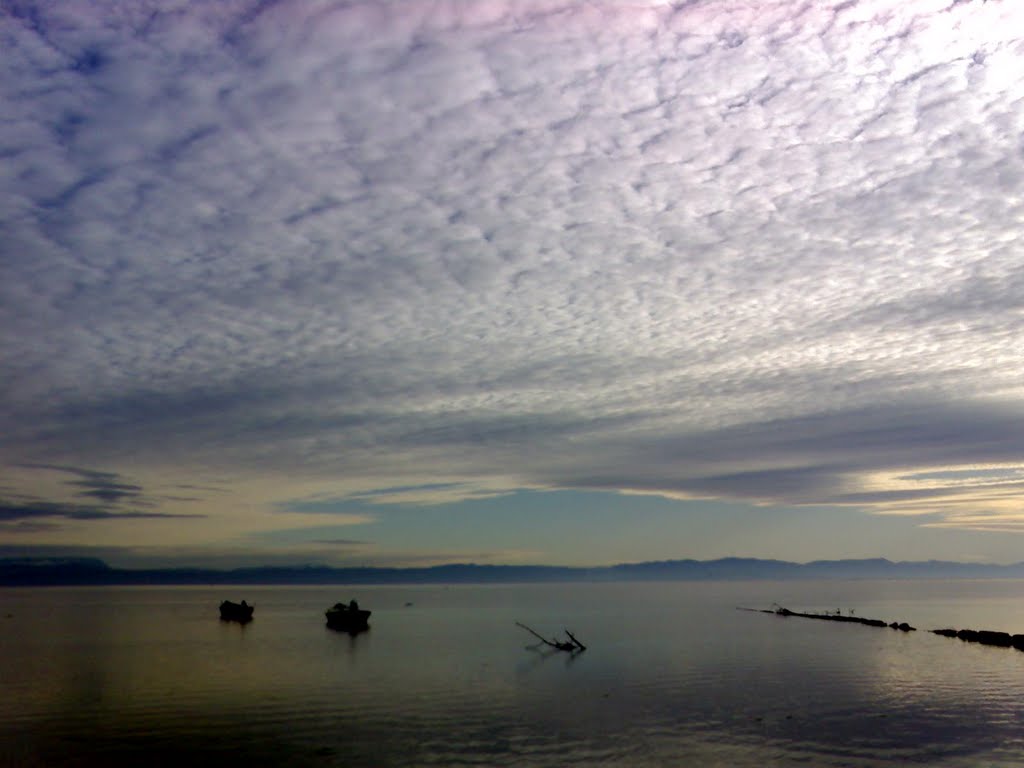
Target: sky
511,281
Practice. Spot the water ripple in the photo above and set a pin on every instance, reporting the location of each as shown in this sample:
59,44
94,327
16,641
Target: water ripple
673,676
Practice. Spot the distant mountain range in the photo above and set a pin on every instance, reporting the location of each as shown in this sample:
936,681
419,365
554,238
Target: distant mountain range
89,571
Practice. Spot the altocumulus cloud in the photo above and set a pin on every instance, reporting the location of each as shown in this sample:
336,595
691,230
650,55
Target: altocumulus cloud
766,250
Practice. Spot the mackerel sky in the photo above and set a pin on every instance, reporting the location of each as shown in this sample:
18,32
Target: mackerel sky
511,281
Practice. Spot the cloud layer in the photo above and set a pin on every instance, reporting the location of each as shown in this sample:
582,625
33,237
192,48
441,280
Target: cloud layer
765,251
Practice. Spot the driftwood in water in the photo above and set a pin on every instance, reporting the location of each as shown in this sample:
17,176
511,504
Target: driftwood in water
572,645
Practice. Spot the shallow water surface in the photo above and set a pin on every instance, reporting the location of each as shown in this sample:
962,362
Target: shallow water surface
673,675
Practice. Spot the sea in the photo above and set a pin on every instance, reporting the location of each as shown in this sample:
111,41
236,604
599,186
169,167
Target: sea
673,674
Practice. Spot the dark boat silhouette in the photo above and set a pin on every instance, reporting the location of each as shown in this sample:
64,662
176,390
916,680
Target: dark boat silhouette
348,618
240,612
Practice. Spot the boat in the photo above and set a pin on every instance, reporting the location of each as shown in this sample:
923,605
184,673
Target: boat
240,612
349,618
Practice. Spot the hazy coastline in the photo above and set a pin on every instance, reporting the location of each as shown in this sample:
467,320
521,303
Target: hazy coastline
95,572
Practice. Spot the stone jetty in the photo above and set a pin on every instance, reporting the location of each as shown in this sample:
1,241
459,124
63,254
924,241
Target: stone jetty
778,610
984,637
980,636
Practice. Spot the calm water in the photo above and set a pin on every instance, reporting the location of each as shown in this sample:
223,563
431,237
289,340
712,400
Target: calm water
673,675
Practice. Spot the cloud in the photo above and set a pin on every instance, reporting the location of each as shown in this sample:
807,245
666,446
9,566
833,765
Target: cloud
107,498
695,248
20,527
103,486
863,457
44,509
340,542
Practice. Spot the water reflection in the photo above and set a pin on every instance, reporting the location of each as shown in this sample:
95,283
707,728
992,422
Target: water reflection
672,674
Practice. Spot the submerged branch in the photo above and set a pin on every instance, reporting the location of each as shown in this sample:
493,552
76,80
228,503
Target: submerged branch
572,637
571,646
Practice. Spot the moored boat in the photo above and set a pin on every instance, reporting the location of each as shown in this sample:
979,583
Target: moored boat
240,612
350,618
